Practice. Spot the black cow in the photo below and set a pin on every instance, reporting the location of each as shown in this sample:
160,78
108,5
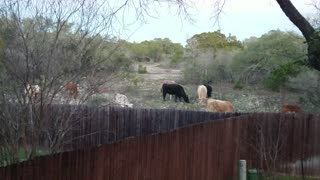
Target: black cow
174,89
209,90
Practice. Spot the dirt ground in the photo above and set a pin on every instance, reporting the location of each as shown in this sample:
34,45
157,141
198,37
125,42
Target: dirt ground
158,73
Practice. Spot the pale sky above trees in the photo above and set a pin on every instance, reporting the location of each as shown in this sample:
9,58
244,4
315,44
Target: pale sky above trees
243,19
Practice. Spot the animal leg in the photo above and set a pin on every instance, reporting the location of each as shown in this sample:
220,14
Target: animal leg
36,96
75,93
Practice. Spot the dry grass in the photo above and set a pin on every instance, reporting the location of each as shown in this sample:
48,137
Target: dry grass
147,94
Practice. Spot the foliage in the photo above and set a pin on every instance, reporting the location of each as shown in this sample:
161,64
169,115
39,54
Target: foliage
177,54
313,51
307,84
192,73
280,76
47,44
118,62
209,56
155,50
209,68
262,57
7,157
213,40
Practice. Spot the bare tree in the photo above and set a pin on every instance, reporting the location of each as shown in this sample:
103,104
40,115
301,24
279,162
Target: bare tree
45,44
267,143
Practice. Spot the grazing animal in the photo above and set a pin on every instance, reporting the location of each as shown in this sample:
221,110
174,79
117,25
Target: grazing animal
122,100
174,89
202,93
290,108
214,105
32,90
72,89
168,82
209,90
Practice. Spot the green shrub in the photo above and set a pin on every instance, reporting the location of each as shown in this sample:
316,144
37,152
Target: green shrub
117,63
307,84
270,59
280,76
7,155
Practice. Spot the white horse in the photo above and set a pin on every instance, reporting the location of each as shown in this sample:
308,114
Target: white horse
122,100
31,92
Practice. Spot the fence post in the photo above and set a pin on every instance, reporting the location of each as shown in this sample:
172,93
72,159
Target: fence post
242,170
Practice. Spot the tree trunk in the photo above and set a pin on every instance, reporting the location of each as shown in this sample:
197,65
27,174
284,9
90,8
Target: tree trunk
313,39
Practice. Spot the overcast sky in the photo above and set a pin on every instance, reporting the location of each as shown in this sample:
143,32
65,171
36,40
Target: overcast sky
242,18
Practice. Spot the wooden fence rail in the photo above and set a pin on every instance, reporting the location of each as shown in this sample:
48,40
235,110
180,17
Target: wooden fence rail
94,126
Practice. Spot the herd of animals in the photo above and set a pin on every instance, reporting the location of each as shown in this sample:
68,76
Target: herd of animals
168,87
204,93
205,98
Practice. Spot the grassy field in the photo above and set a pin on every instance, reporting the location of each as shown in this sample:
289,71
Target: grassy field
146,93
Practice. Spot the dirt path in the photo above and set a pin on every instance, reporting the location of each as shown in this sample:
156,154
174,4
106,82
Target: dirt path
152,79
158,73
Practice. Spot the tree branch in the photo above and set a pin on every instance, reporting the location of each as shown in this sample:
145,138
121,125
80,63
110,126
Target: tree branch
296,18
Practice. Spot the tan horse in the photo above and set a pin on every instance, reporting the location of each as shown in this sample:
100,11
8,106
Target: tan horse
214,105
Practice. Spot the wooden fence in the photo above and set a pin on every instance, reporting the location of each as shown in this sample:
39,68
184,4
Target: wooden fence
206,150
91,126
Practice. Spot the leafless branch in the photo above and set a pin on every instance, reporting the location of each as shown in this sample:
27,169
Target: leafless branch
218,11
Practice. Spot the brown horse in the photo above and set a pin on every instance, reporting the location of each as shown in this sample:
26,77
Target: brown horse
290,108
72,89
